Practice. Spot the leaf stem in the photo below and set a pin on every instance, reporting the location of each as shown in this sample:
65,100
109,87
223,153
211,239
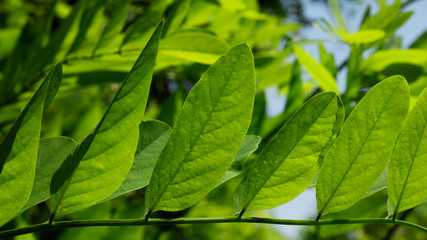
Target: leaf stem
156,221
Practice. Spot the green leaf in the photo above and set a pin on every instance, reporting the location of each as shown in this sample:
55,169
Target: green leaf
360,152
100,163
323,77
383,58
138,34
18,149
207,133
152,139
406,180
51,153
193,45
363,36
383,18
110,39
176,17
249,145
288,164
333,4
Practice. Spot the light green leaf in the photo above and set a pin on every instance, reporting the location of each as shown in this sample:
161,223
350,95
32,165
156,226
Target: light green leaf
51,153
288,164
207,133
110,39
176,17
249,145
99,164
360,152
89,31
383,18
407,178
193,45
138,34
383,58
336,11
18,149
363,36
320,74
153,136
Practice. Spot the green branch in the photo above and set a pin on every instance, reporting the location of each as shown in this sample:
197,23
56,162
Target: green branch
143,222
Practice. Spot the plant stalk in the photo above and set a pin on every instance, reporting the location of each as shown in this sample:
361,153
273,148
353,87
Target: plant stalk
154,221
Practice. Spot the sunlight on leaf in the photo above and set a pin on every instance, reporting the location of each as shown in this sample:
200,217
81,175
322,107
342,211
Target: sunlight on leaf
201,149
360,152
18,149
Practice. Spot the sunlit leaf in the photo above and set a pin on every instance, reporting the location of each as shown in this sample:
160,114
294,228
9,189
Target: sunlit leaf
363,36
383,58
193,45
201,149
407,178
99,164
360,152
320,74
18,149
288,164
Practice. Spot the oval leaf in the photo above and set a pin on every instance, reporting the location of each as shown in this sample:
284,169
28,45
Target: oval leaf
18,150
288,164
360,152
100,163
207,133
363,36
407,178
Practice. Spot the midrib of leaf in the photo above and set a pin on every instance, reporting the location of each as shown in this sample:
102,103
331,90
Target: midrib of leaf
407,175
278,165
356,156
189,151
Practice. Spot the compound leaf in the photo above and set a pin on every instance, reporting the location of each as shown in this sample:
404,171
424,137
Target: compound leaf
360,152
99,164
18,150
406,178
207,133
288,164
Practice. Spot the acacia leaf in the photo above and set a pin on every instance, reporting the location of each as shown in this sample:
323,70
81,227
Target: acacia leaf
99,164
360,152
407,178
289,162
320,74
207,133
18,149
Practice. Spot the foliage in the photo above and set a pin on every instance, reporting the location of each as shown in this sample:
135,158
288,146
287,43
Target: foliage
163,122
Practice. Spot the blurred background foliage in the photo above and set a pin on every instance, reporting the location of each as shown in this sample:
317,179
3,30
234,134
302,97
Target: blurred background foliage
99,40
